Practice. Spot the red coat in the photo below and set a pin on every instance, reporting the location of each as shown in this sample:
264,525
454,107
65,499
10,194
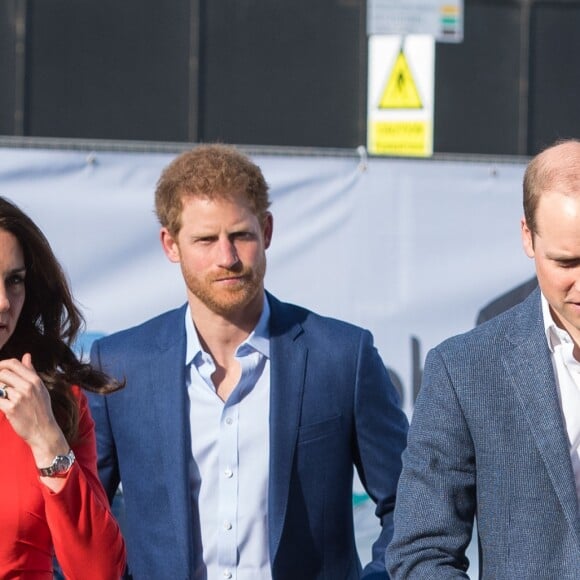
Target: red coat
75,524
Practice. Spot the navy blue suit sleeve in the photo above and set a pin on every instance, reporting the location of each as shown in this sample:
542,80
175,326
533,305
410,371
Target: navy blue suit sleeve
381,431
106,453
436,493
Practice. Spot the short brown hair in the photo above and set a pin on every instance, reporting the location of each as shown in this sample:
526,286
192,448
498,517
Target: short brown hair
550,169
211,171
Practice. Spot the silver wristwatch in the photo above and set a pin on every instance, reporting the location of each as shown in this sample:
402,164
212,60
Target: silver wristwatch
59,467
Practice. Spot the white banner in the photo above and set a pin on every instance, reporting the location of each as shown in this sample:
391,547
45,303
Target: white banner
410,249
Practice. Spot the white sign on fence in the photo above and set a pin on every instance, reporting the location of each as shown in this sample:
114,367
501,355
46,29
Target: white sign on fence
442,19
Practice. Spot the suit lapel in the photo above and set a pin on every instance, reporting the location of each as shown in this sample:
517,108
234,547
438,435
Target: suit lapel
288,358
167,379
530,368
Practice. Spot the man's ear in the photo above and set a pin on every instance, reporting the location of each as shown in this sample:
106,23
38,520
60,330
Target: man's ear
170,246
527,239
268,229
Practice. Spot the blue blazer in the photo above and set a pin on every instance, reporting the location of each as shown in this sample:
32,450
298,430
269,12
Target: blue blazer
332,406
487,439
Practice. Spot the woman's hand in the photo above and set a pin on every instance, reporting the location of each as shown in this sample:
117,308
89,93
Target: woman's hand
28,409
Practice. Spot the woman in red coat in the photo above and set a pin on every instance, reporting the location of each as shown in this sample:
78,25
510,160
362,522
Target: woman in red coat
51,500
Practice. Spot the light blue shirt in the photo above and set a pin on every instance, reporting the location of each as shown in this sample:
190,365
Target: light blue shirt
230,459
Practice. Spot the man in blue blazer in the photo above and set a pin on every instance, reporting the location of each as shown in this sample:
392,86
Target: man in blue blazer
495,433
242,416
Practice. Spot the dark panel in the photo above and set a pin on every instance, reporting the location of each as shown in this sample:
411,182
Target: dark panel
279,72
7,67
477,86
108,69
554,73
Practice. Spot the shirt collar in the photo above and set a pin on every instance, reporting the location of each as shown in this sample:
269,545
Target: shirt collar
554,335
259,338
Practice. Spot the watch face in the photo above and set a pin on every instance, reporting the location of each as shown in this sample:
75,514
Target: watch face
62,464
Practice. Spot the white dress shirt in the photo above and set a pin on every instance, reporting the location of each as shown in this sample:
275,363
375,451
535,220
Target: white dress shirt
567,372
230,460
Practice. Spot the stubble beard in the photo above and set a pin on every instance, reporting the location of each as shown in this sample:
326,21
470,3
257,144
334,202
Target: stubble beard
227,302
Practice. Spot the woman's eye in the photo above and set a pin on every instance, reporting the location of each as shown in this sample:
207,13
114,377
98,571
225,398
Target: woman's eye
15,280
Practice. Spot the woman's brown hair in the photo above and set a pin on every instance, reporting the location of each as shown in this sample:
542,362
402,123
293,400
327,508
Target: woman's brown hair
49,323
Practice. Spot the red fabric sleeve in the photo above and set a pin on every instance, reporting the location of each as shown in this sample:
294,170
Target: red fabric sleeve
86,537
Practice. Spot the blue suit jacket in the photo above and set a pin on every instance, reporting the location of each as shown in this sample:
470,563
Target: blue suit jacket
487,439
332,406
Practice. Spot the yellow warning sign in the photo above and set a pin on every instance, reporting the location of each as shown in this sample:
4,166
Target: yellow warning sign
401,91
400,95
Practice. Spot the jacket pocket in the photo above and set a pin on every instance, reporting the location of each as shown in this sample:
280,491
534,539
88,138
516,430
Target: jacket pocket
318,430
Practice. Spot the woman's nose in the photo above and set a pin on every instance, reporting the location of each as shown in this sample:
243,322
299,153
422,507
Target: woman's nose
4,300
